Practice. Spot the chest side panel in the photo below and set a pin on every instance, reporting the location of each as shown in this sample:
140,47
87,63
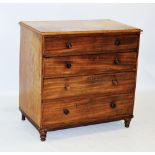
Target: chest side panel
30,74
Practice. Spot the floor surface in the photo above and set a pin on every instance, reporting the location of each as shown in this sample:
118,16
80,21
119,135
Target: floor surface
17,135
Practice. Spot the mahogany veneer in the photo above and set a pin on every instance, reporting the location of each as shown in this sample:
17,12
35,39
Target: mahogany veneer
75,73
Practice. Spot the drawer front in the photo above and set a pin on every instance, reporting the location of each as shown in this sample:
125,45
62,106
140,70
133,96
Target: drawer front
89,64
81,110
88,85
72,45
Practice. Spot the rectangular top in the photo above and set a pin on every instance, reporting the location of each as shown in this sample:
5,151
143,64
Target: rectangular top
79,27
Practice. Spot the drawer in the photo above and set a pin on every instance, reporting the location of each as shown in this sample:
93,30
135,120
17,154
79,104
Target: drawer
61,112
88,85
89,64
73,45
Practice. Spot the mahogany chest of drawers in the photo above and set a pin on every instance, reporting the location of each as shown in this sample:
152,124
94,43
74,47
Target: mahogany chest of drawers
75,73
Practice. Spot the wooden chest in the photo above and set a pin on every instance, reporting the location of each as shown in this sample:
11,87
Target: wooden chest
75,73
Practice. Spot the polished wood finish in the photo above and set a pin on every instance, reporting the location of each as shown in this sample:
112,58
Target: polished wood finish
88,85
30,74
54,46
75,73
79,27
89,64
81,109
43,133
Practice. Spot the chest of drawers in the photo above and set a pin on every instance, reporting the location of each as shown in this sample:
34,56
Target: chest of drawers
75,73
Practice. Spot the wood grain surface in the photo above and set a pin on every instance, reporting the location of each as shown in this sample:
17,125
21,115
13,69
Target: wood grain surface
78,27
58,45
89,64
75,73
30,74
85,109
85,85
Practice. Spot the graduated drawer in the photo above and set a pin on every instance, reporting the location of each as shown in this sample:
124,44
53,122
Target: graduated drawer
88,85
73,45
89,64
82,110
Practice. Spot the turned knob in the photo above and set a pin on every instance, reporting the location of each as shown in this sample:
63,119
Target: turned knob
117,41
69,45
113,105
116,61
67,87
68,65
114,82
66,111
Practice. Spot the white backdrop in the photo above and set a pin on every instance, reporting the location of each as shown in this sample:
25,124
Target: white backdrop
139,15
21,136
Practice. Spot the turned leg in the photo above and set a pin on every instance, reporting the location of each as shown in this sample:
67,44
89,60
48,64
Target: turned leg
23,117
43,133
127,122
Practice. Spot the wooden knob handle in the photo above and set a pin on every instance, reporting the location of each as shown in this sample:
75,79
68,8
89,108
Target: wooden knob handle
68,65
115,82
113,105
67,87
69,45
116,61
117,41
66,111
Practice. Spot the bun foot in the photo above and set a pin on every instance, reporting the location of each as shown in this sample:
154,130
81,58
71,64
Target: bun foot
23,117
127,122
43,133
